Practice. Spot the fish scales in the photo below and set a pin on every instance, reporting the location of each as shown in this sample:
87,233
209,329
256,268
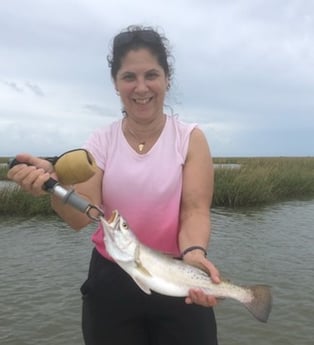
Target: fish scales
187,277
152,270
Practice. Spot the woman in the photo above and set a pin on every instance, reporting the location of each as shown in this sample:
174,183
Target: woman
157,171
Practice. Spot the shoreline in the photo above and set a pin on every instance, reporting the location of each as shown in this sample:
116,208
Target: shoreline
239,183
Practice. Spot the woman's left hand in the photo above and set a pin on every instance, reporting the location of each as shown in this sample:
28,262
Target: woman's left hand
198,296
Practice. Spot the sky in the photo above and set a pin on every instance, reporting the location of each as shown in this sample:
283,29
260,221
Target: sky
243,70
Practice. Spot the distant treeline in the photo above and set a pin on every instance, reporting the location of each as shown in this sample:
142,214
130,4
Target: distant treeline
256,181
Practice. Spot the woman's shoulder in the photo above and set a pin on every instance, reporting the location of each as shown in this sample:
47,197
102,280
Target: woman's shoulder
109,127
102,135
180,132
106,130
98,142
181,125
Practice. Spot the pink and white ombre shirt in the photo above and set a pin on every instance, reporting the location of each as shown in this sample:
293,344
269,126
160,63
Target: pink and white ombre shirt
144,188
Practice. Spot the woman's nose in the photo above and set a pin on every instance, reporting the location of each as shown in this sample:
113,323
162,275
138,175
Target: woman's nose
141,85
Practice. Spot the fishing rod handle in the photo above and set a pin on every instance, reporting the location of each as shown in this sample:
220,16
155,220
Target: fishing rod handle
47,186
67,196
81,204
72,167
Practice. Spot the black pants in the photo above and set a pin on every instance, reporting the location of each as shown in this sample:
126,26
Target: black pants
117,312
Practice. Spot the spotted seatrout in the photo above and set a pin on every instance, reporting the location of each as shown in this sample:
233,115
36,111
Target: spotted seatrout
152,270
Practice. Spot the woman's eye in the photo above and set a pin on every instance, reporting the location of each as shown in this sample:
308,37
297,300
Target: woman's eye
128,77
152,75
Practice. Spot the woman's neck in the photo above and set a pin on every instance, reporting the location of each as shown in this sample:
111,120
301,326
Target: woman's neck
145,127
143,134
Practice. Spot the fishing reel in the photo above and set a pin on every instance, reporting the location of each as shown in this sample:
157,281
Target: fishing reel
74,166
71,167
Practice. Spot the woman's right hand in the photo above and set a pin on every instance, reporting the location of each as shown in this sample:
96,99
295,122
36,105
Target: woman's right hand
32,175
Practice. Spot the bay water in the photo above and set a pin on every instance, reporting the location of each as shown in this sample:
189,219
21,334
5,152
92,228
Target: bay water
43,263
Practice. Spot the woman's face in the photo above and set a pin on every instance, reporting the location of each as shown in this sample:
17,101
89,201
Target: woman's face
142,85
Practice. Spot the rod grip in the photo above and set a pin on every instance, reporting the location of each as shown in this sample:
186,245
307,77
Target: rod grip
47,186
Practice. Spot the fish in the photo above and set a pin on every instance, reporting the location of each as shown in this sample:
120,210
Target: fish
155,271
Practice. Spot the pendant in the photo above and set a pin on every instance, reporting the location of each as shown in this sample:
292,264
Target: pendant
141,146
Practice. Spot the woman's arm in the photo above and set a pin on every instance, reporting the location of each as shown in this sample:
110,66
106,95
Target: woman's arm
197,192
89,190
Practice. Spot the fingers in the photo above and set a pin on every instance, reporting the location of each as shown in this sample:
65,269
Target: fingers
30,178
34,181
199,260
32,175
197,296
213,271
37,162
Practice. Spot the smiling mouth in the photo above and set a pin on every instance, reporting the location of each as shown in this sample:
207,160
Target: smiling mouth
142,100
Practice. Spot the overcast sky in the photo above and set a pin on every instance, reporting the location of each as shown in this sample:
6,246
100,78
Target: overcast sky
244,70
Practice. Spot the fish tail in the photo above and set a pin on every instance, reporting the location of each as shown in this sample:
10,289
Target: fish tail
261,304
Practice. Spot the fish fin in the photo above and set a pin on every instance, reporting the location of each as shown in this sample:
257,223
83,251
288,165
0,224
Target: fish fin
261,303
143,270
142,285
138,262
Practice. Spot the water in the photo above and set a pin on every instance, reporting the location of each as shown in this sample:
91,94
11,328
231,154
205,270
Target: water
274,246
8,184
227,166
43,263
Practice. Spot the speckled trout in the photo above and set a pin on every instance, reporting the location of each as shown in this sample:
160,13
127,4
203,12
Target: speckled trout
152,270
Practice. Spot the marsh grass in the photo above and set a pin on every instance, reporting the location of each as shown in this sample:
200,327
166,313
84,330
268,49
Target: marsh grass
14,201
263,180
258,181
3,171
4,159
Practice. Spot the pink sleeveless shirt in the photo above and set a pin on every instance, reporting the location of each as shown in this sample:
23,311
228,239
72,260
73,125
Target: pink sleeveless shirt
144,188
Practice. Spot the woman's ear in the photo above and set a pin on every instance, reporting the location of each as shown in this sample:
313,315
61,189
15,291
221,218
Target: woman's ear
116,87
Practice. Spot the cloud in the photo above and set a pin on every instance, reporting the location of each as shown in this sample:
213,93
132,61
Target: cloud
243,70
35,89
20,87
12,86
96,109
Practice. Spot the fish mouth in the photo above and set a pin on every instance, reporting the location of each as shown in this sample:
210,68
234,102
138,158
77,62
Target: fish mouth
113,217
113,221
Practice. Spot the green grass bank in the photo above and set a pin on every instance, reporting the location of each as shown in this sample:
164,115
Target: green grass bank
255,182
261,181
